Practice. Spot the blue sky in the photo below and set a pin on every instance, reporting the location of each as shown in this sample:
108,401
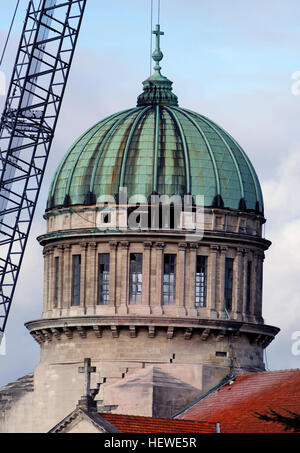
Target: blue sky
230,60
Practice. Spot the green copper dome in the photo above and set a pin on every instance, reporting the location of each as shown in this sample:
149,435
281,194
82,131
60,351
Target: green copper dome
158,148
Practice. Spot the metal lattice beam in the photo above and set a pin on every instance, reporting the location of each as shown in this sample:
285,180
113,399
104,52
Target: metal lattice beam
28,124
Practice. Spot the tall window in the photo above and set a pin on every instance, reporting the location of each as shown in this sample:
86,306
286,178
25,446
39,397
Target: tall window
136,278
169,283
103,279
228,283
200,289
76,280
56,281
249,274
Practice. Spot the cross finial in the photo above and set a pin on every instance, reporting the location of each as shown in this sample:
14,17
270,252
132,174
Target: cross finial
87,370
157,54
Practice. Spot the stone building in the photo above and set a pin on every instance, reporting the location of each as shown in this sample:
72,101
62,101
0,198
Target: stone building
166,299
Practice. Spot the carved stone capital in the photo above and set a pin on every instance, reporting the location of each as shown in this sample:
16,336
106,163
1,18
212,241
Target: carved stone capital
214,248
160,245
113,245
147,245
182,246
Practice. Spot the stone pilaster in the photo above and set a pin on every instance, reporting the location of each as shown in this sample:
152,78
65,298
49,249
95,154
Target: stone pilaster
191,308
67,295
238,282
221,283
51,272
146,277
157,308
246,315
91,280
61,250
212,279
123,309
83,277
113,275
46,281
180,280
259,287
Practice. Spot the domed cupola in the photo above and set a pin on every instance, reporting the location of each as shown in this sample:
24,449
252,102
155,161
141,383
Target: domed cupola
165,310
157,148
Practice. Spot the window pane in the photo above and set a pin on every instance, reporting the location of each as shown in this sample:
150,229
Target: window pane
103,278
135,278
201,273
76,280
228,283
169,279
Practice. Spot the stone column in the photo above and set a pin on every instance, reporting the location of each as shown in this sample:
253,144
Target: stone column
212,281
221,283
146,277
180,280
123,310
113,275
238,282
192,311
157,308
67,295
91,281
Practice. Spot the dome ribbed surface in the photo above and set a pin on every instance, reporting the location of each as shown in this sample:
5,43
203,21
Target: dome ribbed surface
157,149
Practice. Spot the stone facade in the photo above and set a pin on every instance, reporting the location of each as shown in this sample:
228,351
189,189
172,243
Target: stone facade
152,358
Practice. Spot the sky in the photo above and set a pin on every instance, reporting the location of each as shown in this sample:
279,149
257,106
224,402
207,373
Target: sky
233,61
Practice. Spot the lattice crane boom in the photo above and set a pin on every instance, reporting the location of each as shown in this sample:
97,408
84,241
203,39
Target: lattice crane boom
28,123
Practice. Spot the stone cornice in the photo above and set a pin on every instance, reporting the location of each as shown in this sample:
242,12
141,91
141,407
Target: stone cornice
43,330
209,237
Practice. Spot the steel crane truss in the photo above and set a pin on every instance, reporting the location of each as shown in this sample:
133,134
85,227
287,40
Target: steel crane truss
28,123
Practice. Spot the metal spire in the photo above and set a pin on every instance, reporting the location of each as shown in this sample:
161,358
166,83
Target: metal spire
157,54
157,88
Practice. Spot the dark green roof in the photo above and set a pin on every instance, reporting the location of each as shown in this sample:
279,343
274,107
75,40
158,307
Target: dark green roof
157,149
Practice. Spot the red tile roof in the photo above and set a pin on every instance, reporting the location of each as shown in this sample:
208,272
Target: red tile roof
137,424
234,404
